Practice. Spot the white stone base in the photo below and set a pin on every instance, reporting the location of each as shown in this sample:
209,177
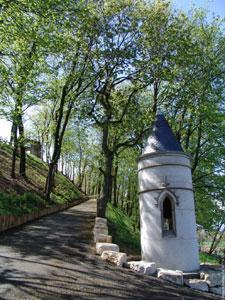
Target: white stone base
213,278
117,258
197,284
101,247
171,275
142,267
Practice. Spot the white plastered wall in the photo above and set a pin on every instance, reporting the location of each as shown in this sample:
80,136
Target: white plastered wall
159,173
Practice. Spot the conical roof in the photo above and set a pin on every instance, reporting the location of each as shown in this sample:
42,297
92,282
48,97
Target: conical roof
162,137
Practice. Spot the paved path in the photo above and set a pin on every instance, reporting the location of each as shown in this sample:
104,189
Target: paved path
53,258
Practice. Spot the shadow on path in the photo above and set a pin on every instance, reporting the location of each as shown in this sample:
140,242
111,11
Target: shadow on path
53,258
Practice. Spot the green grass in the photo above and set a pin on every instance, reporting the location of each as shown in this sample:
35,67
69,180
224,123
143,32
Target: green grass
121,227
206,258
16,205
25,195
64,191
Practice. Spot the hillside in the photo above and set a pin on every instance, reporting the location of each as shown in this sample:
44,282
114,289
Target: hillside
23,195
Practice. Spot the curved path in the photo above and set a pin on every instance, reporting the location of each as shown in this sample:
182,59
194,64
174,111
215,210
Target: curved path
53,258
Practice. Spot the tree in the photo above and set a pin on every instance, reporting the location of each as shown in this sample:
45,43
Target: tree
23,35
197,116
73,76
114,51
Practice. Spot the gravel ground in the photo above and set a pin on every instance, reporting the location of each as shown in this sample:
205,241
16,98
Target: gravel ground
53,258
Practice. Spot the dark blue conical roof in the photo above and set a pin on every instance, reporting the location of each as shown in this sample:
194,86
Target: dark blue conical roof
162,137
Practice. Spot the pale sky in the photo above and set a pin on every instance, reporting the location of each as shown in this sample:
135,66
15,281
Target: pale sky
5,128
212,6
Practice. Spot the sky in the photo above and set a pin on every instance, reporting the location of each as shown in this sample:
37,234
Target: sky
212,6
5,128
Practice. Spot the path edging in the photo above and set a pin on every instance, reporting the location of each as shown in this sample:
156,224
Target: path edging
110,252
8,222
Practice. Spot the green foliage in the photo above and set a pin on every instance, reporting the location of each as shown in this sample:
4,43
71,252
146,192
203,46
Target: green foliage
26,195
123,230
206,258
64,191
5,146
37,162
16,205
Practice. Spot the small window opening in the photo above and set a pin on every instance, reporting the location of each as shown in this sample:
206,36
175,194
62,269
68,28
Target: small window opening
168,217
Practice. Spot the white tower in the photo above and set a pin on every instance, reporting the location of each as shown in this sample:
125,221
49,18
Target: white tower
167,213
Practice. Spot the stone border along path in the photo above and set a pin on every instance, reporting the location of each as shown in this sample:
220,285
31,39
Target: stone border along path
207,280
54,258
9,222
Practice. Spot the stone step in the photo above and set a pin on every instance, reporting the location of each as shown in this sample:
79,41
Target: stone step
101,247
103,238
114,257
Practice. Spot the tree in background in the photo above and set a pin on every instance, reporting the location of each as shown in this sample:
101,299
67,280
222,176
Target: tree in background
23,33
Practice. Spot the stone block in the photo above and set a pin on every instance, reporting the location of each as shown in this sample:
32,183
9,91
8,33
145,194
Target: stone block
114,257
142,267
98,230
103,238
99,220
213,277
197,284
101,247
171,275
104,226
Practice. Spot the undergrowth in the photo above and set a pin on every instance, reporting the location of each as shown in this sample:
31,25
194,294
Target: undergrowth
122,229
207,258
16,205
25,195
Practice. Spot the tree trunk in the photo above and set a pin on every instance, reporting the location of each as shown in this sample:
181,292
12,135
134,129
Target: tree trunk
50,180
22,148
79,164
214,241
155,96
13,128
14,153
82,174
107,175
99,186
115,185
62,164
89,186
197,150
107,186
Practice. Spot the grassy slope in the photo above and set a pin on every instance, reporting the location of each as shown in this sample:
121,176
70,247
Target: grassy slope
18,196
122,230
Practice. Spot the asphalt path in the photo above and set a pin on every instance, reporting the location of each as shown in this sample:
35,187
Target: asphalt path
53,258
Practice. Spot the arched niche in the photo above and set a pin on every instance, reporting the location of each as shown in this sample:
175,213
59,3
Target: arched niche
167,201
